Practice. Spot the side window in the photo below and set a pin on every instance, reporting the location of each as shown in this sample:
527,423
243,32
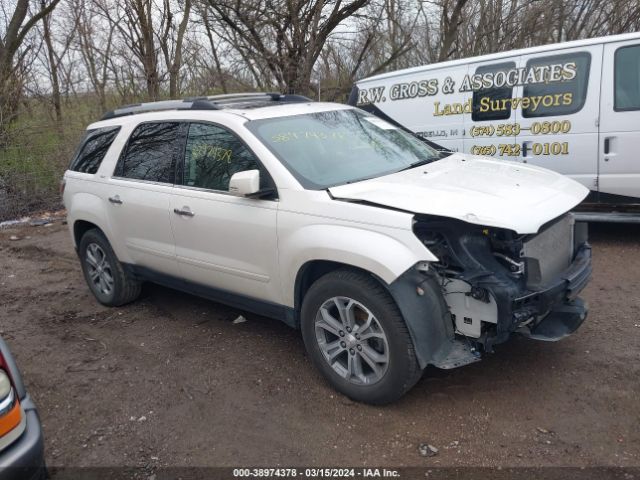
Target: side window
627,78
213,155
488,96
92,149
564,90
151,153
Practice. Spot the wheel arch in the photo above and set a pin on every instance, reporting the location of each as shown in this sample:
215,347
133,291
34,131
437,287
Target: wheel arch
83,223
312,271
80,227
432,336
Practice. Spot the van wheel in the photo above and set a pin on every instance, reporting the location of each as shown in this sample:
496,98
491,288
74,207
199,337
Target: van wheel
104,274
356,336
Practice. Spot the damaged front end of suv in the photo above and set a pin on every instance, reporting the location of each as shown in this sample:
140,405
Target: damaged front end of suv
503,254
496,282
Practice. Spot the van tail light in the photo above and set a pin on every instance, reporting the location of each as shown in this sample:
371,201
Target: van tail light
63,183
10,411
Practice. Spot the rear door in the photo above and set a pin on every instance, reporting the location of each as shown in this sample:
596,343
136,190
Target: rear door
619,154
559,110
139,196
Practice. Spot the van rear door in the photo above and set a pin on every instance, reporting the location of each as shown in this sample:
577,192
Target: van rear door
619,153
559,126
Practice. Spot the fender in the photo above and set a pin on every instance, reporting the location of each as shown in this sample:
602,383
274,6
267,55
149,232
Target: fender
393,262
378,253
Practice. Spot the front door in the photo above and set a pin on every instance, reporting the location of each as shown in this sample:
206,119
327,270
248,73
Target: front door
619,155
223,241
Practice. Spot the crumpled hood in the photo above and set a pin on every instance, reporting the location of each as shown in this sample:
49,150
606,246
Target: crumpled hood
479,190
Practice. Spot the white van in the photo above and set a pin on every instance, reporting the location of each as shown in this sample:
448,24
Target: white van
572,107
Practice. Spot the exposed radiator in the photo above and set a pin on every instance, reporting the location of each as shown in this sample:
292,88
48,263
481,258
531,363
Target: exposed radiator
550,252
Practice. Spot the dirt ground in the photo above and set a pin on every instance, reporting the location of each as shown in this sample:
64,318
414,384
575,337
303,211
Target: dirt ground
171,381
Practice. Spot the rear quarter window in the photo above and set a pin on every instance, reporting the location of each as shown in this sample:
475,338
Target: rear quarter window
93,148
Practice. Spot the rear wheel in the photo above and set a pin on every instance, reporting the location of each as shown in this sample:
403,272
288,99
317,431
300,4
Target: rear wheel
357,338
107,280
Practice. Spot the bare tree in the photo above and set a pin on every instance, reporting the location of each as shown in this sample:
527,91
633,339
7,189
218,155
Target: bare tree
214,45
380,40
450,22
152,48
94,50
139,16
20,24
150,32
54,57
283,38
171,42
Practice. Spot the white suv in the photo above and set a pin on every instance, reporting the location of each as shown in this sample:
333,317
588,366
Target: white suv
387,252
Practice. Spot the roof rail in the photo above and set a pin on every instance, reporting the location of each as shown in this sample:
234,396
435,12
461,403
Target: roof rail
236,96
213,102
195,104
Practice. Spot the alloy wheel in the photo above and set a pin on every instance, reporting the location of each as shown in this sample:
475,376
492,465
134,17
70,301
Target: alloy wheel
99,269
352,340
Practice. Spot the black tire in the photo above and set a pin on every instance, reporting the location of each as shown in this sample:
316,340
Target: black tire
125,288
402,370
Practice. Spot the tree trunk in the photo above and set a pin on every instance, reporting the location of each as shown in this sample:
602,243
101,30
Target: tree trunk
450,26
53,67
10,42
174,68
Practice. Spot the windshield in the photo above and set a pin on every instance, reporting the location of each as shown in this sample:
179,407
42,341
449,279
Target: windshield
326,149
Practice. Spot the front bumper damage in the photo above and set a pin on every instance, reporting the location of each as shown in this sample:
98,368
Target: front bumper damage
548,311
566,310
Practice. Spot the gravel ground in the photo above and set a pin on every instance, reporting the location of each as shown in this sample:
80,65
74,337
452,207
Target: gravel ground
170,380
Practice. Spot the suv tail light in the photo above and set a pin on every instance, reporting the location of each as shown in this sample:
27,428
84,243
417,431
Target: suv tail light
10,411
63,183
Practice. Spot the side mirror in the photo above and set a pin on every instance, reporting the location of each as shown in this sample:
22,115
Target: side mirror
245,183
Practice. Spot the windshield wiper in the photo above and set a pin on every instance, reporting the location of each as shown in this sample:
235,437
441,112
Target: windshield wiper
362,179
443,153
419,163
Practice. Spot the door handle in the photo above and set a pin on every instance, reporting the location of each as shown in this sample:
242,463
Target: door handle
608,141
525,151
185,212
115,200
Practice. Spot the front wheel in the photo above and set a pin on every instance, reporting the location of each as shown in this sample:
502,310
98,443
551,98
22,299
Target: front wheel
356,336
